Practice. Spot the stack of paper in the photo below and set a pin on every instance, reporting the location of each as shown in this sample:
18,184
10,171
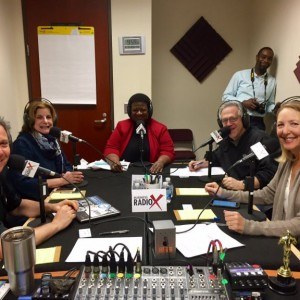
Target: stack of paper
102,164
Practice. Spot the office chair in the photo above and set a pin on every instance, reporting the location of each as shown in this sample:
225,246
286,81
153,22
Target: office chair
183,144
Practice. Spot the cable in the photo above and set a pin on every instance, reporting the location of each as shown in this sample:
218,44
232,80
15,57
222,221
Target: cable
82,195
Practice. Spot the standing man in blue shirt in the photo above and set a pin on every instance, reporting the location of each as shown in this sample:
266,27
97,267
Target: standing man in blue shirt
255,88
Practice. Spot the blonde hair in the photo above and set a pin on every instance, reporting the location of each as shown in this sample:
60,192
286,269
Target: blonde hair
295,105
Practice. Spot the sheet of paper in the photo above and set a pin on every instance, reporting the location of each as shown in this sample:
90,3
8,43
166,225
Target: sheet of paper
83,165
102,164
4,288
187,206
191,192
187,214
95,244
48,255
195,242
185,172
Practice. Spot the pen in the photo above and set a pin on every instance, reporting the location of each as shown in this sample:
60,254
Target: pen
198,163
114,232
219,224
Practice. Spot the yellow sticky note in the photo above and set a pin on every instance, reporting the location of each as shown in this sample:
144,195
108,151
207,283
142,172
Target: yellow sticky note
48,255
61,195
187,214
191,192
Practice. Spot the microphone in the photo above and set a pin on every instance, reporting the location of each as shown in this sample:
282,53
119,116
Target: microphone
28,168
216,136
141,130
259,151
64,135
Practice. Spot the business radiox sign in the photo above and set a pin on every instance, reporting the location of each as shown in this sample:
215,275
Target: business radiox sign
148,200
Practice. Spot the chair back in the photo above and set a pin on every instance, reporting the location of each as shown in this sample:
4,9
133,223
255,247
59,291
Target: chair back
183,140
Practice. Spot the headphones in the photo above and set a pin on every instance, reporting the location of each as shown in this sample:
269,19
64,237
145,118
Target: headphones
28,114
245,116
289,99
140,98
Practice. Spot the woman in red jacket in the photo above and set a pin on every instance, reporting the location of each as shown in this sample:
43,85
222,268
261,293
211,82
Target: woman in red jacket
140,138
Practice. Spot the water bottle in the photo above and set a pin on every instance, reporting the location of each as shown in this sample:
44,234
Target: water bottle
171,186
18,248
136,185
168,187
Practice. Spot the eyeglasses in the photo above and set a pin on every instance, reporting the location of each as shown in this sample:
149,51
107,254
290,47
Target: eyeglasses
231,120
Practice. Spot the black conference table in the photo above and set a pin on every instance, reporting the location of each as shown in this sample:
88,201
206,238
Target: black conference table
115,188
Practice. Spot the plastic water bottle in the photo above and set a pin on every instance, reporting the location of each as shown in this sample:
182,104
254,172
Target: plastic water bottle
136,186
168,180
165,186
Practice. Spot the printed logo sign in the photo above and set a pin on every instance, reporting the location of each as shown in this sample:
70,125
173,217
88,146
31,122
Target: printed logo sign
64,136
30,168
148,200
216,136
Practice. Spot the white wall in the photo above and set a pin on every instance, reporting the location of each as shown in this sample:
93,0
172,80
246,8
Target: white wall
13,82
131,73
179,99
277,23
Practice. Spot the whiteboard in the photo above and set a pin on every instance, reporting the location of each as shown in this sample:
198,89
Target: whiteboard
67,64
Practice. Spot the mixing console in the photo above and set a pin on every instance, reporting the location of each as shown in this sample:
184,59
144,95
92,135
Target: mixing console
163,282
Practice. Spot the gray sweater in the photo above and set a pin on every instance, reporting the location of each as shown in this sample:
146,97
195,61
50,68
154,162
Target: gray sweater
274,193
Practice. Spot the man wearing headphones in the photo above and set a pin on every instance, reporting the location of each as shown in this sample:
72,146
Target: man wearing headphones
140,138
12,203
236,145
36,144
255,88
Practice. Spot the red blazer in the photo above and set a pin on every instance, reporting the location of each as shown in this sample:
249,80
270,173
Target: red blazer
160,142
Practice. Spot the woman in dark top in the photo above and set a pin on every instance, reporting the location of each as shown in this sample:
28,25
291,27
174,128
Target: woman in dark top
35,144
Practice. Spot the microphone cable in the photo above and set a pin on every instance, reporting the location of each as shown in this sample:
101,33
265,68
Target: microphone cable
147,224
201,212
83,196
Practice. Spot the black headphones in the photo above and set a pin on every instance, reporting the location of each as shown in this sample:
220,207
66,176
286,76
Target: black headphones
292,98
140,98
245,116
28,121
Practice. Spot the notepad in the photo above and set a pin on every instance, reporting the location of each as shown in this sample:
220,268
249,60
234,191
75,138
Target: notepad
191,192
59,195
187,214
48,255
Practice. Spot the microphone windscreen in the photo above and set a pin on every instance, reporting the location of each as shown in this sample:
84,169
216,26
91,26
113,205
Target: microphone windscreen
55,131
16,162
272,146
224,131
139,122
